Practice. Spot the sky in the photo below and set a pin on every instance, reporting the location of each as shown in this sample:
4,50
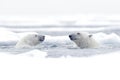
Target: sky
33,9
58,7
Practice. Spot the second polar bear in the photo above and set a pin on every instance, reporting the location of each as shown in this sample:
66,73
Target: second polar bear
30,40
84,40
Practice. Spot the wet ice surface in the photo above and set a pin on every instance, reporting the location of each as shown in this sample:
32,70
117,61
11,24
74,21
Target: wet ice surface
57,43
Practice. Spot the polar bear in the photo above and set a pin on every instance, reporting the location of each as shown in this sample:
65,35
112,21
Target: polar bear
84,40
30,40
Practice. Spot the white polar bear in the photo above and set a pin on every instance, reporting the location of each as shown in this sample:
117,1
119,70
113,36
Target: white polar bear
84,40
30,40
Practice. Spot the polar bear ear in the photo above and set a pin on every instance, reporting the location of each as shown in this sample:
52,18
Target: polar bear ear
90,35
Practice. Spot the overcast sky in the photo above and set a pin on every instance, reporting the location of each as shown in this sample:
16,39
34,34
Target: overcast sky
58,7
58,10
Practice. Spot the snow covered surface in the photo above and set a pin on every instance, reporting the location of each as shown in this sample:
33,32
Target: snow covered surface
102,67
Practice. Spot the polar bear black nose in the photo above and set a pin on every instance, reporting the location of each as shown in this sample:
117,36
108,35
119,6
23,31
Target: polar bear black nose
70,36
42,38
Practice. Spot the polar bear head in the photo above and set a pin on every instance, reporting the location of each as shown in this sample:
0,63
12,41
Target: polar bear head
30,40
83,40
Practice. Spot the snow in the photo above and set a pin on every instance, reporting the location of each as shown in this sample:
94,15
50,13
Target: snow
34,53
112,38
102,67
6,35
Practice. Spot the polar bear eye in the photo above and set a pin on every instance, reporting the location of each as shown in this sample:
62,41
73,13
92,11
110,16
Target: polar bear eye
36,35
78,33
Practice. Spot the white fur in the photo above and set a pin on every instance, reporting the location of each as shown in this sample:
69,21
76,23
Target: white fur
29,40
84,40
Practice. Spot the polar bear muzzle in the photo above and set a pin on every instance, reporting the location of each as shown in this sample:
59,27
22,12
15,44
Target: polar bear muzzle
41,38
72,37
